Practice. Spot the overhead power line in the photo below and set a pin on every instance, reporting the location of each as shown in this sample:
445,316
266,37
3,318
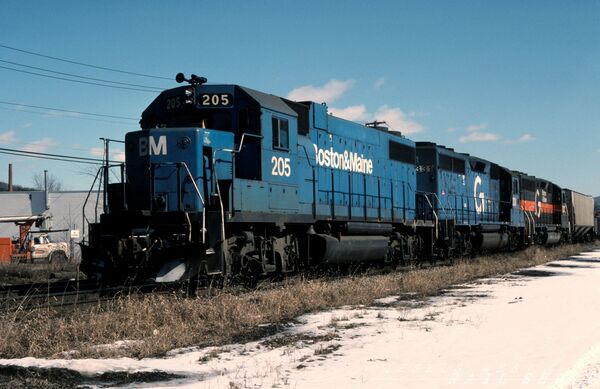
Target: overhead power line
84,64
28,111
67,111
83,77
78,81
56,157
49,158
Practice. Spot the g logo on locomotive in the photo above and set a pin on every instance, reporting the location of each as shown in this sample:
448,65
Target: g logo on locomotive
479,205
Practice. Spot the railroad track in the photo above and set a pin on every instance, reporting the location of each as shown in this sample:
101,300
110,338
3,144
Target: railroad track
71,292
68,293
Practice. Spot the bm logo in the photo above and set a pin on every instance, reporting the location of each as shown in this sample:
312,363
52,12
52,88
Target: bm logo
150,146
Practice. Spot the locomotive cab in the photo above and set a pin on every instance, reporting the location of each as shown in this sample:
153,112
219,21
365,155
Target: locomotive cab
199,162
264,130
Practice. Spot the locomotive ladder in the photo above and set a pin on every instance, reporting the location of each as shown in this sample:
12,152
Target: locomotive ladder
435,216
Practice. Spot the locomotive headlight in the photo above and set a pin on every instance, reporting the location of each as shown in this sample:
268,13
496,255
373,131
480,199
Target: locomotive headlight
184,142
160,203
189,93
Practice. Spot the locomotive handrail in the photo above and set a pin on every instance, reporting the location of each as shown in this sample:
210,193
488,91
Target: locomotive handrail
196,189
307,157
445,212
530,218
528,223
410,190
214,172
444,208
467,215
434,215
568,216
201,200
84,218
242,143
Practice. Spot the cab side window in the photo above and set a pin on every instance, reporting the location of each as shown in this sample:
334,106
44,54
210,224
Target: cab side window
280,134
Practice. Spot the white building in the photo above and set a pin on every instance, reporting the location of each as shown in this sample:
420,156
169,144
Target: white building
65,208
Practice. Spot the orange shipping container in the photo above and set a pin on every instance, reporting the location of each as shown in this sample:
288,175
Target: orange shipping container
5,250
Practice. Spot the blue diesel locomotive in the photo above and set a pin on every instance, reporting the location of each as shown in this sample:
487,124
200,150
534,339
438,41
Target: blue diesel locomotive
226,180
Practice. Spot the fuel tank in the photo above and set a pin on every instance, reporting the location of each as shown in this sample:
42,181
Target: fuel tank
551,237
490,240
329,250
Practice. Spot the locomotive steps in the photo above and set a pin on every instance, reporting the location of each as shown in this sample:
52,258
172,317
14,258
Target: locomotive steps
152,325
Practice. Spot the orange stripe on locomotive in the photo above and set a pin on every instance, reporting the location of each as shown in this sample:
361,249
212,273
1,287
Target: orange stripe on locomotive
547,208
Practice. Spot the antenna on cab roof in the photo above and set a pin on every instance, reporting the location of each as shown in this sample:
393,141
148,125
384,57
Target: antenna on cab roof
193,80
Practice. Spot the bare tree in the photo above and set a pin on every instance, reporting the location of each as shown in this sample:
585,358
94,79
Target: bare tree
54,183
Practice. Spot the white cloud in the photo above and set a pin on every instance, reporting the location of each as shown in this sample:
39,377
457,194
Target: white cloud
40,146
394,117
356,113
452,129
397,120
97,151
478,136
115,155
526,138
476,133
326,93
417,114
477,127
7,137
379,83
522,139
118,155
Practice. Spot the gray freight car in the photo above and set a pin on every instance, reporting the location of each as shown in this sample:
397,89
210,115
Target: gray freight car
580,213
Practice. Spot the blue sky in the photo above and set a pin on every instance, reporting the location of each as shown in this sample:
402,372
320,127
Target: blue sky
515,82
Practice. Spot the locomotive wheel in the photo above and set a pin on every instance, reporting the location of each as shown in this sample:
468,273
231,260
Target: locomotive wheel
57,257
251,271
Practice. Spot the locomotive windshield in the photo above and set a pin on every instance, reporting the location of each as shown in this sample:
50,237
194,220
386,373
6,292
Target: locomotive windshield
205,118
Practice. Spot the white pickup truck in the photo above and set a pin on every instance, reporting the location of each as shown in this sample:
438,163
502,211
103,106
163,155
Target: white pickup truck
42,248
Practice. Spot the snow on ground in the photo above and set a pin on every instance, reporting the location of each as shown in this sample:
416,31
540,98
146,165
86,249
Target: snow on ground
538,327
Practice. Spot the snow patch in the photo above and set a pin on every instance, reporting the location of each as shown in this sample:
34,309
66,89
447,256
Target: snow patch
517,330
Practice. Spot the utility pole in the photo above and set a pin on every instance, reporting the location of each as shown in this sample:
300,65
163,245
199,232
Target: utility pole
46,189
105,167
10,178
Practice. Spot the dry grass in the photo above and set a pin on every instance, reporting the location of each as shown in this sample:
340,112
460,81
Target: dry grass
20,273
155,324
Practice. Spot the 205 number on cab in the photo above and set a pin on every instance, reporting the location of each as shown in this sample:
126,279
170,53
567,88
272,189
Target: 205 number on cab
281,166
